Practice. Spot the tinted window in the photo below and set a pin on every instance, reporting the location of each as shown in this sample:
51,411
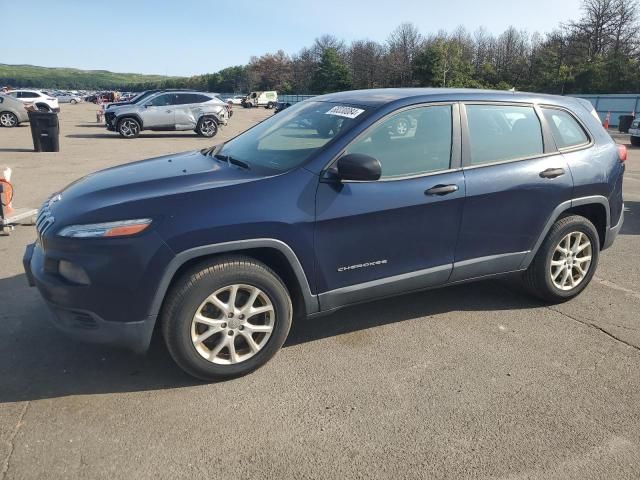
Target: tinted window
503,132
567,132
162,100
29,95
186,98
411,142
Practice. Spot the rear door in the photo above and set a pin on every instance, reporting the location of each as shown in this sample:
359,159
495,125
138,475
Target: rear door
159,112
515,179
188,109
398,233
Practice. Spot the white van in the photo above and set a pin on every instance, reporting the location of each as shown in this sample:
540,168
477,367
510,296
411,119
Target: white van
261,99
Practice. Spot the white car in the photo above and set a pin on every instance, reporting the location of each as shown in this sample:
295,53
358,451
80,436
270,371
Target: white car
68,98
236,100
40,100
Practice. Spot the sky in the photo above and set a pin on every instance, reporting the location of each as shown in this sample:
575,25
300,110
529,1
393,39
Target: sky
190,37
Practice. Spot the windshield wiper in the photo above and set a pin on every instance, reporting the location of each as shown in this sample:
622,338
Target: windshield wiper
230,160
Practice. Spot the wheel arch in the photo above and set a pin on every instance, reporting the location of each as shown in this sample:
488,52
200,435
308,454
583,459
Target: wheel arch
594,208
135,116
274,253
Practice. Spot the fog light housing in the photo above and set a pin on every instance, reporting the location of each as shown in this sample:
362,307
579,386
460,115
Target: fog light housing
73,273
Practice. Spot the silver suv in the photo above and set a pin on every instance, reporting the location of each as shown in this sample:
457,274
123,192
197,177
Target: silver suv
169,111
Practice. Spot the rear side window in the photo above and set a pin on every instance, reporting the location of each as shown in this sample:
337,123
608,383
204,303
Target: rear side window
498,133
566,130
187,98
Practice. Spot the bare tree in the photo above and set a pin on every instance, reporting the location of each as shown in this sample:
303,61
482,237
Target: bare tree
404,43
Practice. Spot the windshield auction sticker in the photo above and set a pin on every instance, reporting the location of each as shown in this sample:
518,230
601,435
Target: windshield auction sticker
347,112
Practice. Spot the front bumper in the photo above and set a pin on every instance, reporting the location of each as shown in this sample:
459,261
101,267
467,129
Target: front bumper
95,313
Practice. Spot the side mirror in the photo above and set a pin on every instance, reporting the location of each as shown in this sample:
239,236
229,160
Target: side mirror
359,167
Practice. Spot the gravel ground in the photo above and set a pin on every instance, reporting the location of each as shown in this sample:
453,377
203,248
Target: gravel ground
475,381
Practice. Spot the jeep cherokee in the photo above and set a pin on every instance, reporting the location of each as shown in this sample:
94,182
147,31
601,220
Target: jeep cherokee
326,205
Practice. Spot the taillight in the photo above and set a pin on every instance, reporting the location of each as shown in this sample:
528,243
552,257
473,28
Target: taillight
622,153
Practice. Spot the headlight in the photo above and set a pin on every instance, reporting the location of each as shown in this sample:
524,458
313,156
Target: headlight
122,228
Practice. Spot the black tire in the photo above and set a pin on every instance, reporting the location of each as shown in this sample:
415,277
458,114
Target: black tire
537,278
270,105
207,127
43,107
129,127
8,120
635,141
73,102
192,289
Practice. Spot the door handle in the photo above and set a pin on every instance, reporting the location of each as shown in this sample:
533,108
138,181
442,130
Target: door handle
168,111
552,172
442,190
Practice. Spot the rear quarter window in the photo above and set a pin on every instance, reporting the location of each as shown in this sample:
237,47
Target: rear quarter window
566,130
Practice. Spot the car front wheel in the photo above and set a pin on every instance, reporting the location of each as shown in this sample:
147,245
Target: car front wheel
129,128
226,318
566,260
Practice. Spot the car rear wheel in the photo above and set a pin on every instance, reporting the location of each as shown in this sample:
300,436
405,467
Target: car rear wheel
73,102
270,105
566,260
226,318
43,108
8,119
207,127
129,128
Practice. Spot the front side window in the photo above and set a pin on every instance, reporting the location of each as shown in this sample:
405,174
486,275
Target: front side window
411,142
567,132
161,100
498,133
286,140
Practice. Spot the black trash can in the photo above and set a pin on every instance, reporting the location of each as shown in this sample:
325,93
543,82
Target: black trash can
625,123
45,131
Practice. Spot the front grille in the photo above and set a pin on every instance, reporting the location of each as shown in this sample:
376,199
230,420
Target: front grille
44,220
109,117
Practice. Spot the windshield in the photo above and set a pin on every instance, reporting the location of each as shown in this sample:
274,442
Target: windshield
287,139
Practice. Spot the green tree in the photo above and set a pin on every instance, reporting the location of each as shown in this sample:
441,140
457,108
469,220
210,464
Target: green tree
332,74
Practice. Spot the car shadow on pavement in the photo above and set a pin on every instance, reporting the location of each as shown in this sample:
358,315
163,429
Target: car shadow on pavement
631,225
38,362
17,150
142,135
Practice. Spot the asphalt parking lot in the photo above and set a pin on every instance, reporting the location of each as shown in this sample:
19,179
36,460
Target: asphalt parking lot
475,381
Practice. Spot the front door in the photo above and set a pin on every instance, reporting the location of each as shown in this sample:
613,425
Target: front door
398,233
159,112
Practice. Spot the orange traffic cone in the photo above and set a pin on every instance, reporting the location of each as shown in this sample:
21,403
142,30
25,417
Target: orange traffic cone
607,120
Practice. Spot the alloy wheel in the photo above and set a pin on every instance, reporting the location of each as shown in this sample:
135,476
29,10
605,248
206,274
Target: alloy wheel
8,119
233,324
571,261
208,128
129,128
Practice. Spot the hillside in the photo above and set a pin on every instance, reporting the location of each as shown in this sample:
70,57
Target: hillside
33,76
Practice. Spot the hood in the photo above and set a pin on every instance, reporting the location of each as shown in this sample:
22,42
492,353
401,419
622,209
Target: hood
157,178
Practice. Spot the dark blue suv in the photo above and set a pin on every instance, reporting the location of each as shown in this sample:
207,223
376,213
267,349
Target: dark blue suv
340,199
